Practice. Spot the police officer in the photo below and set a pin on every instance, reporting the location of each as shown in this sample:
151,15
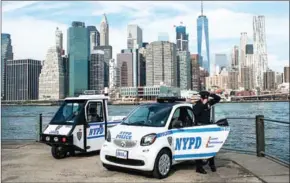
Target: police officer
202,116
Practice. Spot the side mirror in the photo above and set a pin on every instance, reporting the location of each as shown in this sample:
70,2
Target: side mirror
177,124
222,122
123,118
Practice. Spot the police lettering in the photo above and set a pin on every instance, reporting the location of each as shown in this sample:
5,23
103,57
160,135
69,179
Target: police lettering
124,135
187,143
96,131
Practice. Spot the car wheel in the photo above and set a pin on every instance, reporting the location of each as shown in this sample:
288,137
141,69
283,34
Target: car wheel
109,167
162,164
58,152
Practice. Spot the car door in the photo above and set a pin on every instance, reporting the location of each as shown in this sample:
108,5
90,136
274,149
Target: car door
186,144
95,126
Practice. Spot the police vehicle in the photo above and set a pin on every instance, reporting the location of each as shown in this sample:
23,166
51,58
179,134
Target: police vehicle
155,136
80,124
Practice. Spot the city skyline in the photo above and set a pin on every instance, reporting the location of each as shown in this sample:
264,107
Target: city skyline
222,39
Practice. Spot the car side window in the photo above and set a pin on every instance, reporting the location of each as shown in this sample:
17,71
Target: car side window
95,112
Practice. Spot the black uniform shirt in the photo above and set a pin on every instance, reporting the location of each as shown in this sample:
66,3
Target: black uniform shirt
202,111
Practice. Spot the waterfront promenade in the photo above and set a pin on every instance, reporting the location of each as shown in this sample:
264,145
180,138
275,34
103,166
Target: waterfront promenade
32,162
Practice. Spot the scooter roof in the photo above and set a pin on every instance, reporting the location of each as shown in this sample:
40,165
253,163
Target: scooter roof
88,97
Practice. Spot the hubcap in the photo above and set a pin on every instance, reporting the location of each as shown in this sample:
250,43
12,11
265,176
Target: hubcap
164,164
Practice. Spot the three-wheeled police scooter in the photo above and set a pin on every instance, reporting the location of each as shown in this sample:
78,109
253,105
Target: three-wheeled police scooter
80,124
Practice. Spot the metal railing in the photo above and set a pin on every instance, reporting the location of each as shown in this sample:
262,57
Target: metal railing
259,133
260,138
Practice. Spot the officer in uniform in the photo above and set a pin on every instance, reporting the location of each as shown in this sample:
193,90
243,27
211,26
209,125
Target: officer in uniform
202,111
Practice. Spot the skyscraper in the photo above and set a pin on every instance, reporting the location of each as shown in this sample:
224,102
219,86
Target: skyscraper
195,77
94,37
96,73
134,37
108,50
235,57
6,54
22,79
242,54
202,24
51,78
286,74
161,64
260,47
221,61
181,38
112,74
269,80
104,31
184,75
78,53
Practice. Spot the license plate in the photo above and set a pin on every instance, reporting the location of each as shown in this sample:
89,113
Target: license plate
122,154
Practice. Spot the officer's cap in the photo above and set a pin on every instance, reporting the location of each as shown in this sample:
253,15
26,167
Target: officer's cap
204,94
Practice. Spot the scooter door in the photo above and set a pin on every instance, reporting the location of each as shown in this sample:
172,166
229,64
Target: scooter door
95,127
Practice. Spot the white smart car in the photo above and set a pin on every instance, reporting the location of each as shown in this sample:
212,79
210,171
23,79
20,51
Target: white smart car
153,137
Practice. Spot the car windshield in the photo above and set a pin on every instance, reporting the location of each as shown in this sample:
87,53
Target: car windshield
149,115
67,112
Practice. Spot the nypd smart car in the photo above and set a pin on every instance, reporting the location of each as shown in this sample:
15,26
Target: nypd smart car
155,136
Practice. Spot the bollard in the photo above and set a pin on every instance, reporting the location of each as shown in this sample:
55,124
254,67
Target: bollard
213,114
40,127
260,136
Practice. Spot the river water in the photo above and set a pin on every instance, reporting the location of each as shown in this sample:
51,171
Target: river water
19,122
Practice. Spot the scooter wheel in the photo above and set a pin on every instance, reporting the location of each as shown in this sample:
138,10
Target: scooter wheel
58,152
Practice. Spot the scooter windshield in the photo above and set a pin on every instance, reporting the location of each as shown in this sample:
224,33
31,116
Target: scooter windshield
67,113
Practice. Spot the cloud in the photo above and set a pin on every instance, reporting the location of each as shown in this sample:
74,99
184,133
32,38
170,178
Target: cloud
14,5
31,37
225,25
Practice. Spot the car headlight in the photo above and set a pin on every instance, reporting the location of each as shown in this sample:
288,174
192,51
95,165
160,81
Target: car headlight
148,139
108,138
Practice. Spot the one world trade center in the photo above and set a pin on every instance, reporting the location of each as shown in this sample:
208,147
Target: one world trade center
202,24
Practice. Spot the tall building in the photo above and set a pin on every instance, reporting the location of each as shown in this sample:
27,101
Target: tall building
260,47
181,38
108,50
113,77
202,75
129,63
221,60
22,82
278,79
96,73
217,81
161,64
6,54
51,78
125,64
104,31
246,79
142,67
235,57
195,77
286,74
134,37
242,54
183,71
202,24
163,36
249,62
94,37
65,63
269,80
233,80
78,54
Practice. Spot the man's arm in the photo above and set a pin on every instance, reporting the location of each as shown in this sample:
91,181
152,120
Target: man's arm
215,99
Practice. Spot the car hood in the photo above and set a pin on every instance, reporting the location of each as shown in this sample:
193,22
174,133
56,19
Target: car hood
126,132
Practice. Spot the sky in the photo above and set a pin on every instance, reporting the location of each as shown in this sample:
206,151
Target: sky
32,24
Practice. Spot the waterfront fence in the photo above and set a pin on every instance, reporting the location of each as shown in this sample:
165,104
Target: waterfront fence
259,135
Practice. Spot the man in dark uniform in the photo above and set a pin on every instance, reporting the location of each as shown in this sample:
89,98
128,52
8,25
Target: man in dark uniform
202,111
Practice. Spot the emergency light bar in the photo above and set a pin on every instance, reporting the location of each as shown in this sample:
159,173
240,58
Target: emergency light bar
170,99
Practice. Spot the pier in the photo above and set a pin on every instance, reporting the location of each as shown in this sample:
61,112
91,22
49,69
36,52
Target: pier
30,161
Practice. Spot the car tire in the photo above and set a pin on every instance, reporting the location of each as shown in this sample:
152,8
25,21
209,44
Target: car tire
109,167
163,156
58,152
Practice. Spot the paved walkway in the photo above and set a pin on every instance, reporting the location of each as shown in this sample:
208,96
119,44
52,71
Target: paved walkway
32,162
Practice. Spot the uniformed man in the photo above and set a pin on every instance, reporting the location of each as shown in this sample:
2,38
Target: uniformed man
202,111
